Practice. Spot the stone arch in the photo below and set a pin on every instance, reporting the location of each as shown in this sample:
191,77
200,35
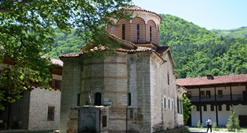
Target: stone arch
118,30
138,20
96,87
138,30
152,32
151,23
110,28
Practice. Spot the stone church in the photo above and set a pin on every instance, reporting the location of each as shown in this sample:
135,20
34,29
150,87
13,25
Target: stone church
131,90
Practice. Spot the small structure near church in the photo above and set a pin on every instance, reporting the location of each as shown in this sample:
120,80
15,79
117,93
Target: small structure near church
132,90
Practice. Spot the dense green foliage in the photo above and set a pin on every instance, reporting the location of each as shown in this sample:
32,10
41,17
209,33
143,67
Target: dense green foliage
186,108
66,44
27,31
239,32
198,52
233,121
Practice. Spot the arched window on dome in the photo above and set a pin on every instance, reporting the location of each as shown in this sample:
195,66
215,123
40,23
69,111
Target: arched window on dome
123,31
150,34
138,33
111,30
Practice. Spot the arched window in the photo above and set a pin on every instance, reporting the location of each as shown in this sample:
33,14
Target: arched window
138,33
97,98
111,30
129,98
150,34
123,31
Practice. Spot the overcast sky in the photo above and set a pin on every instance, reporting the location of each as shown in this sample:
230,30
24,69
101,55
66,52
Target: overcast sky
211,14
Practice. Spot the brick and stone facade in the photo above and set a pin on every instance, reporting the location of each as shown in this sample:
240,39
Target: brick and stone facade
132,90
32,108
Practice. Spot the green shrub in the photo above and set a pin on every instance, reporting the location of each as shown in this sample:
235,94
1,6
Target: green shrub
199,124
215,128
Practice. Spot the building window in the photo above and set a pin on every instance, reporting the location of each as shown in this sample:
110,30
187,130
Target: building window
111,30
104,121
164,102
78,99
168,104
97,98
208,95
202,94
227,107
168,79
188,94
123,31
138,33
178,106
205,107
220,93
129,98
150,34
51,112
220,108
198,108
212,107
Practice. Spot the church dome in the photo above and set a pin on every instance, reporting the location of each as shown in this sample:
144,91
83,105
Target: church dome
142,29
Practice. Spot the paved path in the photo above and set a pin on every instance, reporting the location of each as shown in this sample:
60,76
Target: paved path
204,131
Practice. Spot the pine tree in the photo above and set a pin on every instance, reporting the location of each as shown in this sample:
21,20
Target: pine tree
233,121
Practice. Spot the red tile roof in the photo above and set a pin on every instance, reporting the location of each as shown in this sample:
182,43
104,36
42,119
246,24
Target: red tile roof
137,8
56,62
160,50
217,80
71,55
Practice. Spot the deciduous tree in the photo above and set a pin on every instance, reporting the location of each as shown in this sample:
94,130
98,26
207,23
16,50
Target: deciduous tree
27,30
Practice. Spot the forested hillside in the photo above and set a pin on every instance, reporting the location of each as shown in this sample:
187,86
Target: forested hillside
239,32
66,44
198,52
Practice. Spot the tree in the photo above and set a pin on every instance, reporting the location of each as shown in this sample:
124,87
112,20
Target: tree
27,30
186,108
233,121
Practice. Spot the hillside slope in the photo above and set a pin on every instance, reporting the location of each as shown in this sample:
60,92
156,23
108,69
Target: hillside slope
198,52
66,44
233,33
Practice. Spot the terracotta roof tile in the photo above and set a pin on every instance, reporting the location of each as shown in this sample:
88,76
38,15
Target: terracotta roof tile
160,50
120,39
71,55
217,80
57,62
137,8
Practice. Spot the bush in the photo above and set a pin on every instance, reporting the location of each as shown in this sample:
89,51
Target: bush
215,128
233,121
199,124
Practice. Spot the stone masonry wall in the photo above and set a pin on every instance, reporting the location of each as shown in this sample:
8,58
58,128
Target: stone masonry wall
139,118
108,77
70,90
40,100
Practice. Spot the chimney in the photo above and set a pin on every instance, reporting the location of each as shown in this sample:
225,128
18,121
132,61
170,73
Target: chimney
210,77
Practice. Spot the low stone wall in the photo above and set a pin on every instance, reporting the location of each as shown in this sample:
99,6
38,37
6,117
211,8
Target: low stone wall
184,129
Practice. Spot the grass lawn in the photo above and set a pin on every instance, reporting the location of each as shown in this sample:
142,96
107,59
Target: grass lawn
243,130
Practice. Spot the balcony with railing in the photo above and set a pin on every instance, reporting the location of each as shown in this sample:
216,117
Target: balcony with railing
236,97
